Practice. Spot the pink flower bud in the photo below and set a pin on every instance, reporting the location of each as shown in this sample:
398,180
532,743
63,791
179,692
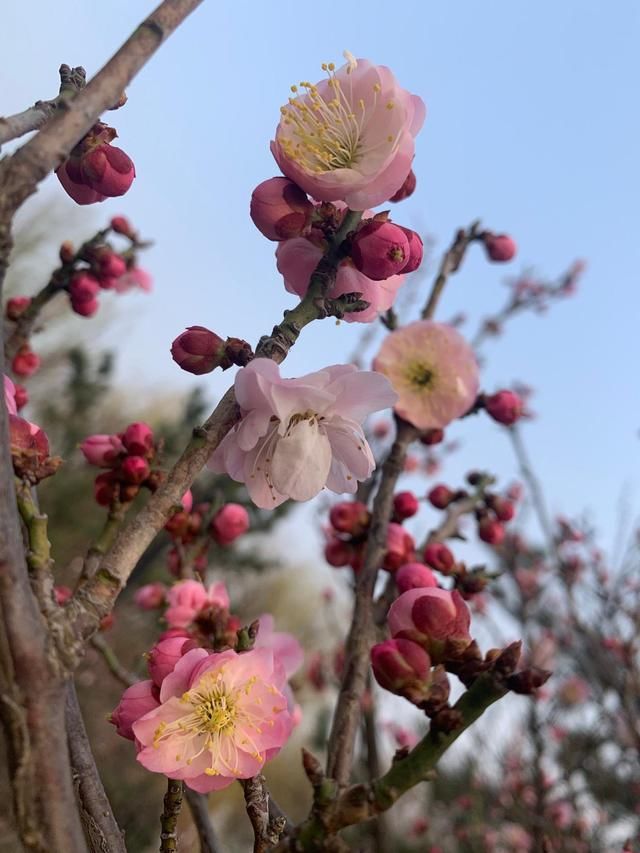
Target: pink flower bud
62,595
406,189
27,437
85,307
350,517
439,557
414,576
108,265
138,439
150,596
500,247
440,496
416,250
21,396
338,553
198,350
504,509
25,362
16,306
280,209
380,250
491,531
121,225
405,505
436,619
136,701
105,488
102,450
135,469
400,547
80,192
402,667
83,287
505,407
230,522
164,656
187,501
107,170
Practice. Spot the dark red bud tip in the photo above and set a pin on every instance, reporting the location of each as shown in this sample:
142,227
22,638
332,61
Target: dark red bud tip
16,306
500,247
528,681
440,496
405,505
505,407
407,188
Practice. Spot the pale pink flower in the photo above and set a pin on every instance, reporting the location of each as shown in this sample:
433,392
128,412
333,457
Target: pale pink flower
187,598
10,396
286,649
297,436
136,277
433,369
349,137
297,260
221,717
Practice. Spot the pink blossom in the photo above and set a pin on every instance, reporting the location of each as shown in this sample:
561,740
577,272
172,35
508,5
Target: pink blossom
402,667
150,596
136,277
433,369
102,450
286,649
414,576
297,436
164,656
360,151
221,717
436,619
230,522
297,259
187,598
80,192
10,396
136,701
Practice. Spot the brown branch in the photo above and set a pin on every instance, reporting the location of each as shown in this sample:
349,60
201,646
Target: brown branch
12,127
450,263
345,720
266,829
169,818
100,827
380,825
209,841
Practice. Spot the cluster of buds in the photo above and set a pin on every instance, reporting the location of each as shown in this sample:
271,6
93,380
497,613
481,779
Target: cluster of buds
349,528
129,456
199,350
195,527
96,169
380,248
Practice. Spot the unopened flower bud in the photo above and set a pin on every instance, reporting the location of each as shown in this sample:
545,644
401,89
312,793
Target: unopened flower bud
108,265
121,225
380,250
74,185
85,307
439,557
338,553
107,170
503,508
416,250
67,253
83,287
150,596
102,450
436,619
138,439
16,306
62,595
407,188
351,517
491,531
405,505
21,396
440,496
230,522
280,209
164,656
134,469
500,247
136,701
198,350
400,547
25,361
105,488
431,437
528,681
403,668
414,576
505,407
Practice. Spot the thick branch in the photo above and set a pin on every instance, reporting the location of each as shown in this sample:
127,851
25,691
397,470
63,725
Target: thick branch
266,829
450,263
345,720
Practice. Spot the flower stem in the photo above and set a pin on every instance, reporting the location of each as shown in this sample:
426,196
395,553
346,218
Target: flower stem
169,817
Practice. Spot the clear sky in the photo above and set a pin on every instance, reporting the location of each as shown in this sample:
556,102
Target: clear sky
532,125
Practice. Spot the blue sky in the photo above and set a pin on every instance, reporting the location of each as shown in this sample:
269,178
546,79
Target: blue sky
532,125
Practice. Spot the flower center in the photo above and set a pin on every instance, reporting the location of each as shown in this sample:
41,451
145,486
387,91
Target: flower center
420,375
326,131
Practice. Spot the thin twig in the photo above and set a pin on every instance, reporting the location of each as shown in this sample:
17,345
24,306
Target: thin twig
169,817
209,841
113,663
450,263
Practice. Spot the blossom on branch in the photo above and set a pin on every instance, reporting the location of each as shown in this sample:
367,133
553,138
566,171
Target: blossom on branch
297,436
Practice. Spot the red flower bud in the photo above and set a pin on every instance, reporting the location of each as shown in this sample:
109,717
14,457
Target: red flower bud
27,437
406,189
107,170
504,509
121,225
350,517
230,522
431,437
400,547
380,249
102,450
416,250
403,668
16,306
439,557
436,619
138,439
405,505
150,596
62,595
440,496
338,553
135,469
491,531
500,247
105,488
414,576
280,209
197,350
85,307
75,187
83,287
25,362
505,407
108,266
21,396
